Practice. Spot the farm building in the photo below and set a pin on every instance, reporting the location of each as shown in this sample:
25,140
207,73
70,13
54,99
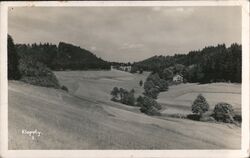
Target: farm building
122,68
125,68
178,78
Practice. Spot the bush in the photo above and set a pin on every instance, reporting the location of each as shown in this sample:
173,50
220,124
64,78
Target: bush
64,88
238,118
194,117
200,105
224,112
178,115
148,105
36,73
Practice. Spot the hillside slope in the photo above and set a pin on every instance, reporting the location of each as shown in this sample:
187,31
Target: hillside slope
70,122
179,98
62,57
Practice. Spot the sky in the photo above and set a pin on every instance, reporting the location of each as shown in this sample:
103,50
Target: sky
127,34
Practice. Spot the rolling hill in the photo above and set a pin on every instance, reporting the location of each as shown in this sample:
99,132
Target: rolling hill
65,56
71,122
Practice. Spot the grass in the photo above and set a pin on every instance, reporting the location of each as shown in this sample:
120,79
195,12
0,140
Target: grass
179,98
85,119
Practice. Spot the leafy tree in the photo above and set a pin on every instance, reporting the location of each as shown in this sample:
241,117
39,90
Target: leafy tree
123,96
115,92
141,83
153,93
13,71
200,105
148,85
129,98
148,105
168,74
224,112
164,85
150,90
158,83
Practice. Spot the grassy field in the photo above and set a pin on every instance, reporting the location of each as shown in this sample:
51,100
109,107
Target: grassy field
85,118
98,84
179,98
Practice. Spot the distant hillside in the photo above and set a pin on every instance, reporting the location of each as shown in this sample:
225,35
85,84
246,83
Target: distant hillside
62,57
211,64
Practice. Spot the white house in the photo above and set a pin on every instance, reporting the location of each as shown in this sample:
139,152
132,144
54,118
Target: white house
122,68
125,68
178,78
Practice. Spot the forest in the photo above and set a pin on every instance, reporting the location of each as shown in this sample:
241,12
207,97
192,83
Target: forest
62,57
211,64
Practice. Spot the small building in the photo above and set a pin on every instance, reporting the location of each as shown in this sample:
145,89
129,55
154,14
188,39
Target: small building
178,78
126,68
122,68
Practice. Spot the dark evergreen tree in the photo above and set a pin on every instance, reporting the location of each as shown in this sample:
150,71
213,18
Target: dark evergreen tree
200,105
13,71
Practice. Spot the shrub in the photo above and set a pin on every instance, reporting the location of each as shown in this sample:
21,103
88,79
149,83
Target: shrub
150,111
64,88
238,118
178,115
194,117
148,105
224,112
200,105
36,73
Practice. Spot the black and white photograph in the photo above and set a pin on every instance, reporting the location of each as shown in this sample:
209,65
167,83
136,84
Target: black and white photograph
125,77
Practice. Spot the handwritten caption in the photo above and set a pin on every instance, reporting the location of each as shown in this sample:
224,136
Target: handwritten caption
32,133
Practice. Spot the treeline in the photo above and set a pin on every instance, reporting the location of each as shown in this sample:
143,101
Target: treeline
27,69
62,57
211,64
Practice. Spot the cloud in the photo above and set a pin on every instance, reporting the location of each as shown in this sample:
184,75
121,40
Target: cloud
127,33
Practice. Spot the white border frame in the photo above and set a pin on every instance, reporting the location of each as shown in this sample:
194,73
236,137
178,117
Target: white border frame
244,152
